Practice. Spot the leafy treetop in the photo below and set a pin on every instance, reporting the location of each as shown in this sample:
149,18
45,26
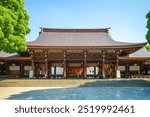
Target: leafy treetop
148,32
148,27
13,26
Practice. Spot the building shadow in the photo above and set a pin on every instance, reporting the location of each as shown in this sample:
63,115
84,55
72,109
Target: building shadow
117,83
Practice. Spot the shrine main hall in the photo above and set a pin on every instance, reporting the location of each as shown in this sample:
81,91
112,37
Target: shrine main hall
77,53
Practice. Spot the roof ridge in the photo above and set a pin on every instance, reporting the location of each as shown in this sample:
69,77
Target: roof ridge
74,30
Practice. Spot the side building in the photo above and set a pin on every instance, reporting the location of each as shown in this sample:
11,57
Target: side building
77,53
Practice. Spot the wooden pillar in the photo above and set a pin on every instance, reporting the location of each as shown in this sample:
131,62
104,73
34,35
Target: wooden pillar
55,71
32,61
94,71
46,64
64,66
21,70
32,64
103,63
7,68
85,65
117,62
127,69
116,66
141,68
50,70
65,70
99,69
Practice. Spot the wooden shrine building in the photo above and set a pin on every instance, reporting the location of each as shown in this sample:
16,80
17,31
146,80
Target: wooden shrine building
77,53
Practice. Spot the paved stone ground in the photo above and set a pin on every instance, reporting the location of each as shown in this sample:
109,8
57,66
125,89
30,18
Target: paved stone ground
86,93
74,82
89,89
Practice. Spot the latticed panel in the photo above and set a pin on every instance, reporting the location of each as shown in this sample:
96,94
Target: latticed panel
75,56
39,56
55,56
92,56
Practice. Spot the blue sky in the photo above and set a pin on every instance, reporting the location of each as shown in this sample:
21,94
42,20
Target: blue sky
125,17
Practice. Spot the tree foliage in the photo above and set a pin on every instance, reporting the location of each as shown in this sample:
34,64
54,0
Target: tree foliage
148,48
13,26
148,27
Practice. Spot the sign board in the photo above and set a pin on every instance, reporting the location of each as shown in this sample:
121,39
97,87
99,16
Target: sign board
134,68
14,67
27,68
90,70
121,68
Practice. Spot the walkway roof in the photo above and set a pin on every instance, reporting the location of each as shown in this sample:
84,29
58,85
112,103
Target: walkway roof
140,53
15,56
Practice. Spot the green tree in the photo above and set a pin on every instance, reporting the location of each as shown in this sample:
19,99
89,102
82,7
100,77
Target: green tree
148,32
13,26
148,48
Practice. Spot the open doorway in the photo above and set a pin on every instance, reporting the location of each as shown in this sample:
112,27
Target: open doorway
109,70
40,70
75,70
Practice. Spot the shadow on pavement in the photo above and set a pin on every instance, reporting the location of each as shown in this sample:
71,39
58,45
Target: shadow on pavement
119,83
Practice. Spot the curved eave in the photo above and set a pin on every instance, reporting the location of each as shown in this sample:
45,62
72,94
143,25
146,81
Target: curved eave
88,47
